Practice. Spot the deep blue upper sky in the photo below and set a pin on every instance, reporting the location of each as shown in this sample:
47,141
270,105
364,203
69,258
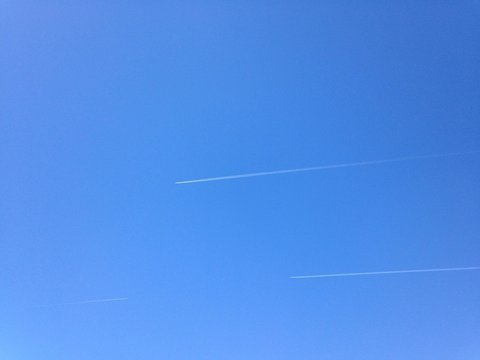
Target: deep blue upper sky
105,104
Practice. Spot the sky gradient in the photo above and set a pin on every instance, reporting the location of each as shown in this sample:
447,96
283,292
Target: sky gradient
106,104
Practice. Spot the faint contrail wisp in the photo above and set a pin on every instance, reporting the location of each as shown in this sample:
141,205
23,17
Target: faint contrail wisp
324,167
95,301
82,302
384,272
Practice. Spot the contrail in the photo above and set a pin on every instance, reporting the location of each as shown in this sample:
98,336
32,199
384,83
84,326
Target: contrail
95,301
384,272
82,302
325,167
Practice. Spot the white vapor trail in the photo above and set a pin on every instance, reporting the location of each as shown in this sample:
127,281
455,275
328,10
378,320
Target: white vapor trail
95,301
83,302
384,272
325,167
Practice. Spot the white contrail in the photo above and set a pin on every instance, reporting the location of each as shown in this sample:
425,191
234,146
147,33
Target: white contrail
325,167
95,301
81,302
384,272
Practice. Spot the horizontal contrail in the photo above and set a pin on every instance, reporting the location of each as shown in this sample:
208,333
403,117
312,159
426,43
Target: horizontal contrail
384,272
325,167
95,301
80,302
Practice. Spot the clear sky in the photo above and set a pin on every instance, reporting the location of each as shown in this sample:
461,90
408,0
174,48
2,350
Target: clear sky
105,104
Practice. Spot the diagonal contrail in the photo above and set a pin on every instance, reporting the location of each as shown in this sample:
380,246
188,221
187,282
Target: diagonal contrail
384,272
95,301
325,167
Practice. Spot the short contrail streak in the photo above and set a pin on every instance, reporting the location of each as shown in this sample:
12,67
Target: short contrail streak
324,167
384,272
83,302
95,301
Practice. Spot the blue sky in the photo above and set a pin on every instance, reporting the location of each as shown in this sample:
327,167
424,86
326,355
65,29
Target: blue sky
106,104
